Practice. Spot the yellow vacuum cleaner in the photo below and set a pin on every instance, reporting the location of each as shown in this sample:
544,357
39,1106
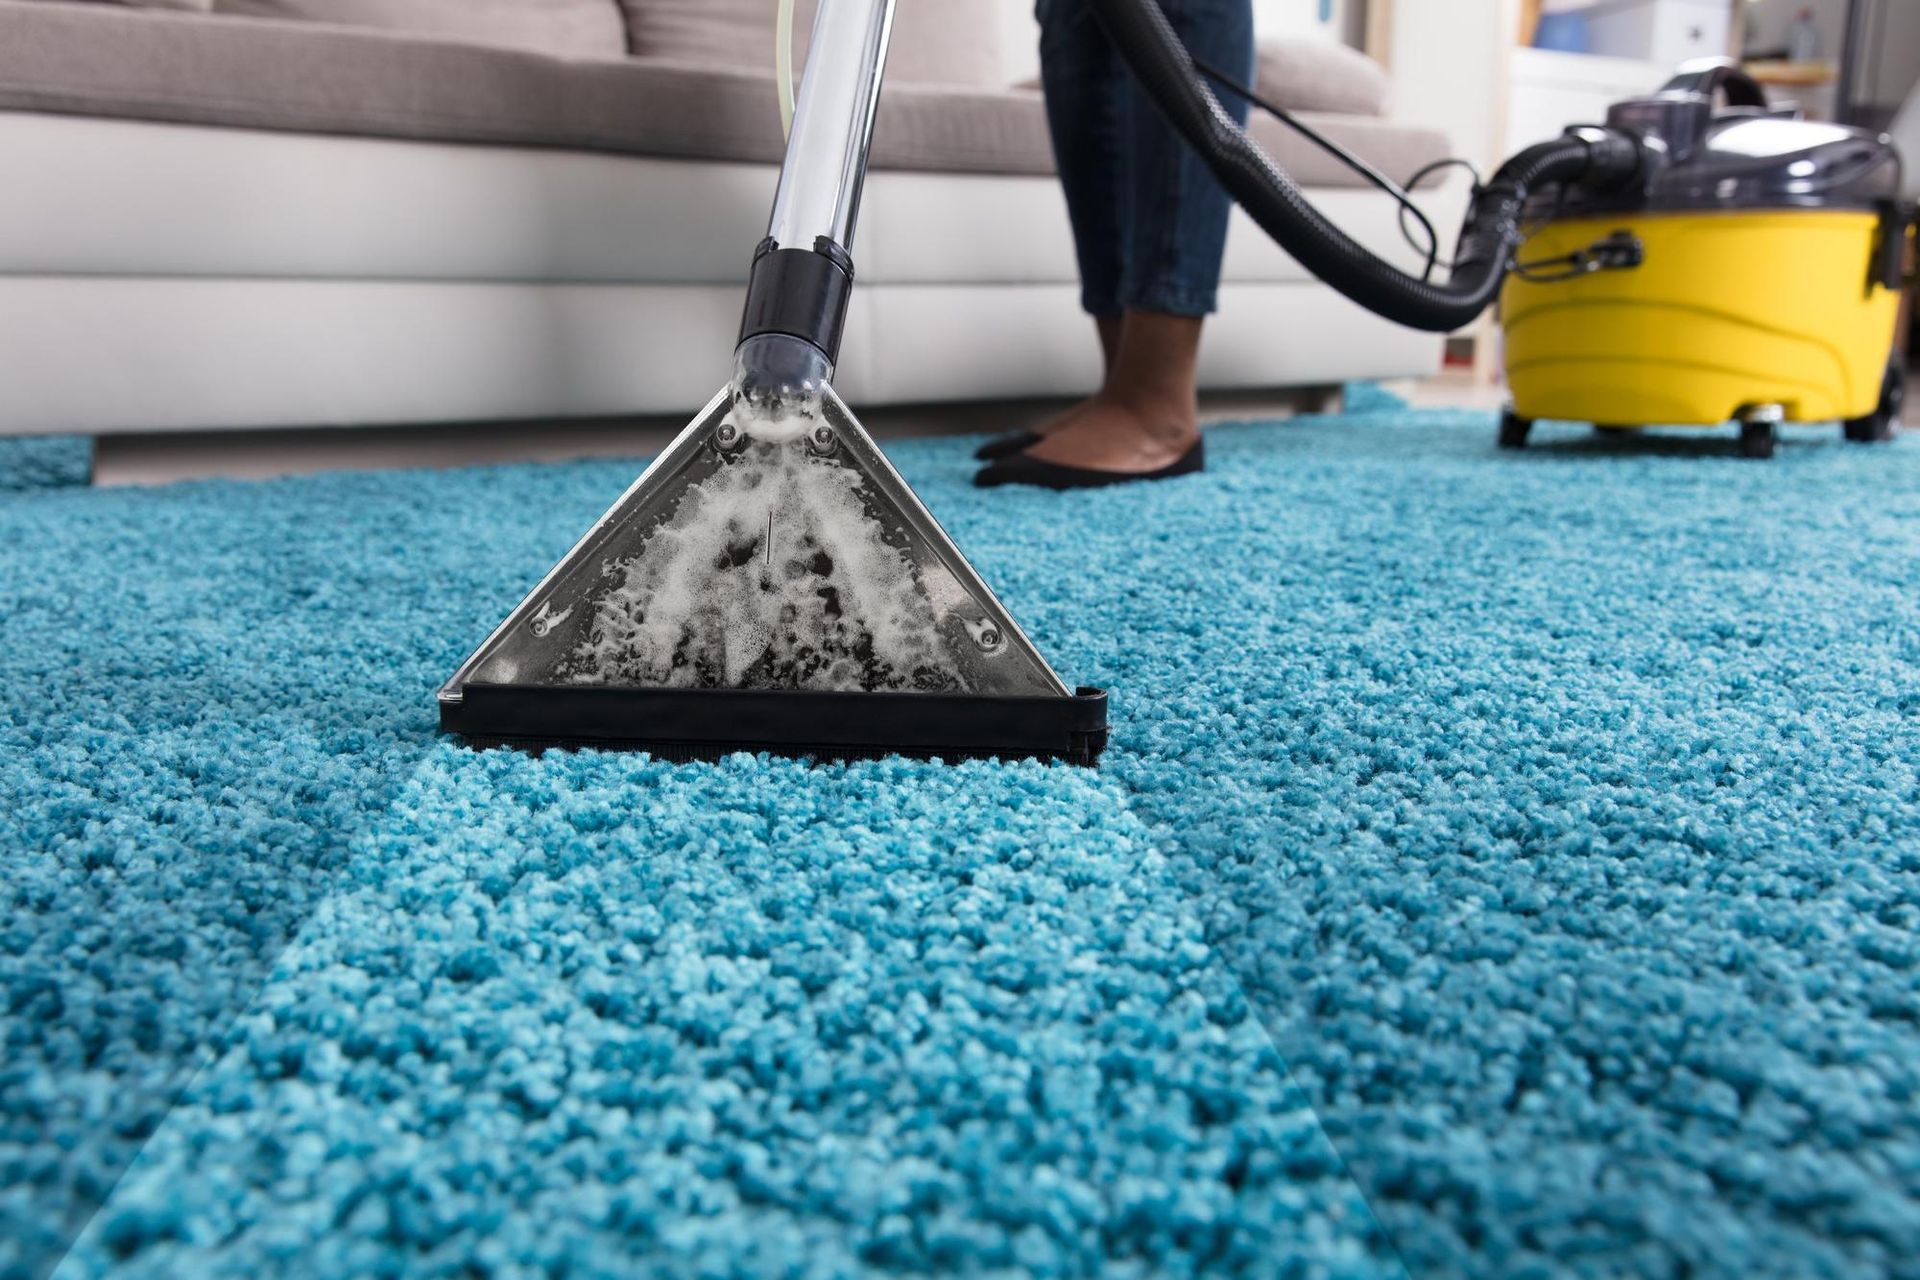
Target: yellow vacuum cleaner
1684,263
1753,275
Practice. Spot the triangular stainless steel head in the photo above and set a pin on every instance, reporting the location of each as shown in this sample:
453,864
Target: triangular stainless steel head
776,564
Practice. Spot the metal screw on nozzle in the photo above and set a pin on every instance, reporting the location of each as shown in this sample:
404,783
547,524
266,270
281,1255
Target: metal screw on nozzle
988,638
727,436
822,438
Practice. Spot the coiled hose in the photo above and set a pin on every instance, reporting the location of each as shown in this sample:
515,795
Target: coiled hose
1598,158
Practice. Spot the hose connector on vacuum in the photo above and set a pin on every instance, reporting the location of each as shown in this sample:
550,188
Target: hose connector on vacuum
1614,157
1597,158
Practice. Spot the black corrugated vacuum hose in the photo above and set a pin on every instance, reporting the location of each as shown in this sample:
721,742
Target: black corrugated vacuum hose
1597,158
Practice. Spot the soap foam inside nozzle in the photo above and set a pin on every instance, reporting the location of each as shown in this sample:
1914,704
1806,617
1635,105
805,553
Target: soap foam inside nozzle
772,572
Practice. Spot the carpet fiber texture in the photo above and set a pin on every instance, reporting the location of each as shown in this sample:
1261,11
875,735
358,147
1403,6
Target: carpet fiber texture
1506,865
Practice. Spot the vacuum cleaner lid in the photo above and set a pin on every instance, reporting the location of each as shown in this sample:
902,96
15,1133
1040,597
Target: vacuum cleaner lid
1746,155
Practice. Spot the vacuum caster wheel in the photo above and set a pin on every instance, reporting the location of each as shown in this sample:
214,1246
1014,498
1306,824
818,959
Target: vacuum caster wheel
1880,425
1757,438
1514,429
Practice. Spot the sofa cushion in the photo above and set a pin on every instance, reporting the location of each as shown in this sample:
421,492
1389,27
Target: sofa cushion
570,28
96,60
1308,73
952,42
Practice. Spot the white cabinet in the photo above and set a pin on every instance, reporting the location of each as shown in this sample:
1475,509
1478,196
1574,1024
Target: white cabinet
1665,31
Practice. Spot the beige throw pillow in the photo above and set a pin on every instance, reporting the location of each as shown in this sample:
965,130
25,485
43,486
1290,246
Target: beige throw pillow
569,28
953,42
1311,73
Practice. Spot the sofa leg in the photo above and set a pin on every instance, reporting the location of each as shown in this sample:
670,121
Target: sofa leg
1329,398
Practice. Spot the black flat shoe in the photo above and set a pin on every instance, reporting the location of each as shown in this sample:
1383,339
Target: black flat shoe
1020,469
1005,446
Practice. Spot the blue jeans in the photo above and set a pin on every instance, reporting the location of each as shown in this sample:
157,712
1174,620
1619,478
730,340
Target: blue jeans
1149,220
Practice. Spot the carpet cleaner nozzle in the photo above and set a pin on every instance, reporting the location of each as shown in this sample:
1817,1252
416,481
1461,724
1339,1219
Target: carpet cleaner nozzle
770,583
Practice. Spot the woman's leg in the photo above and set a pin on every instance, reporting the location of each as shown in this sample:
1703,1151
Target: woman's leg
1082,78
1172,218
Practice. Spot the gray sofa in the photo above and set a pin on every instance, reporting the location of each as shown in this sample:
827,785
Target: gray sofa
497,209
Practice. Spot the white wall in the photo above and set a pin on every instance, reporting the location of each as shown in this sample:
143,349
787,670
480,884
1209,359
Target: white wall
1449,65
1345,19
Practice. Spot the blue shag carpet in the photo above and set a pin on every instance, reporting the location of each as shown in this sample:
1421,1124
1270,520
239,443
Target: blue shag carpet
1506,865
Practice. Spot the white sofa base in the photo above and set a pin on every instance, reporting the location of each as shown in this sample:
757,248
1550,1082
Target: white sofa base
104,355
170,277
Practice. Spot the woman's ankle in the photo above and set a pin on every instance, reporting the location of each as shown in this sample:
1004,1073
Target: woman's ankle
1167,417
1154,374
